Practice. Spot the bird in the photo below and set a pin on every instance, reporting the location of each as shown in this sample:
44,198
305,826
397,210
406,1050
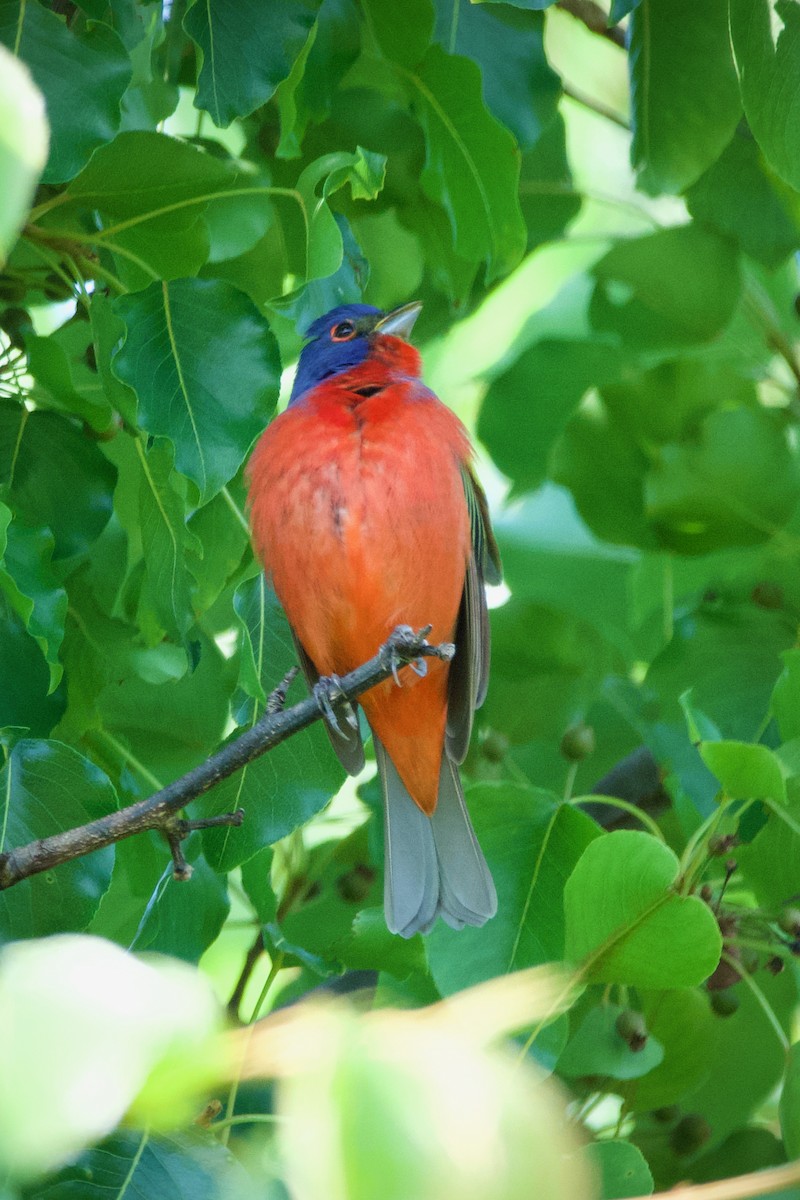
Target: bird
367,515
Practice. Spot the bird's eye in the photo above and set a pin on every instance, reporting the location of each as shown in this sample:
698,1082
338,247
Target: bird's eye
343,332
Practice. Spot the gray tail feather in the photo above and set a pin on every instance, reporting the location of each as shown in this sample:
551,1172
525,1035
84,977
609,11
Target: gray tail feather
434,865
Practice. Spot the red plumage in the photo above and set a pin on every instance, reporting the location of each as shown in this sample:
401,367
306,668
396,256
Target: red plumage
359,515
366,516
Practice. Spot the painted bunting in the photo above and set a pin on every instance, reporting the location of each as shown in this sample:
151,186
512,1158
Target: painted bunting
367,515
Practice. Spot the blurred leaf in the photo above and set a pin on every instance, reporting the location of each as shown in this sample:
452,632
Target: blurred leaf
397,1081
51,474
686,1027
541,685
626,924
245,52
519,86
684,93
765,35
532,844
735,482
767,863
176,356
403,34
623,1169
90,1020
738,195
745,771
550,557
282,789
190,1165
24,141
82,78
26,577
790,1103
728,654
786,696
621,8
527,407
596,1048
669,289
47,788
548,196
729,1095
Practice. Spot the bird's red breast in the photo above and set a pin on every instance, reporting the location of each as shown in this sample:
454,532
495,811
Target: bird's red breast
359,515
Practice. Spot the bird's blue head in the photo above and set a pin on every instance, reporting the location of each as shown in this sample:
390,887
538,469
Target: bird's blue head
342,340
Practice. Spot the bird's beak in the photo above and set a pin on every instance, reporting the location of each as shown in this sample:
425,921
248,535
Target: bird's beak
400,322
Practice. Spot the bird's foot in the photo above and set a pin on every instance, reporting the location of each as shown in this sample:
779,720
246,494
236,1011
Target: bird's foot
327,693
400,644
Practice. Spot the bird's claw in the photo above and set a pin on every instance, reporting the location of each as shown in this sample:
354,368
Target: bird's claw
327,692
400,641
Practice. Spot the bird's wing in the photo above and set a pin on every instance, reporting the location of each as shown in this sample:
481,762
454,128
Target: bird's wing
347,745
469,671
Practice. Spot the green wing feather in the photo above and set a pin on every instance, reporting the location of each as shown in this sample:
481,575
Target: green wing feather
469,672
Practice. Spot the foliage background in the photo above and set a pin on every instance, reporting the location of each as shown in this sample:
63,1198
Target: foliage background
603,229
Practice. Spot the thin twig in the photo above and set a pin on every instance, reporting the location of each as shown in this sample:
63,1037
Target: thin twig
252,957
158,811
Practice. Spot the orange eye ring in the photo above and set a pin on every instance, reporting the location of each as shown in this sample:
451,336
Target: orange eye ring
343,331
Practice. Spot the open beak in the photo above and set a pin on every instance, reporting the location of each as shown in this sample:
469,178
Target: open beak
400,322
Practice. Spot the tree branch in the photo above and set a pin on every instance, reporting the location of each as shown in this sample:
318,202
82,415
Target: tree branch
594,18
159,810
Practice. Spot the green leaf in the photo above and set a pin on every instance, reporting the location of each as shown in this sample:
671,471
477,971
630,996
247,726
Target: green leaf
684,94
685,1025
621,8
245,52
735,482
729,1095
531,844
548,195
403,34
147,909
471,166
282,789
372,947
63,378
166,540
166,206
768,863
519,86
766,41
26,577
169,725
23,146
52,474
596,1048
786,696
789,1108
87,1019
177,359
46,788
626,924
622,1168
670,289
745,771
82,78
527,407
29,703
223,537
739,196
539,685
189,1165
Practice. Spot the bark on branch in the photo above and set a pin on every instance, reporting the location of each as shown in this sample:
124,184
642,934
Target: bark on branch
594,18
160,811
